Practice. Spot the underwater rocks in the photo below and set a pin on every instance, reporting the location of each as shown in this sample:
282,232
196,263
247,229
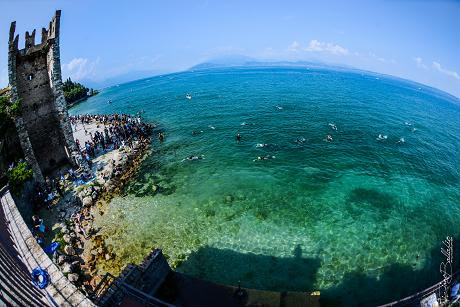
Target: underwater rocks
98,252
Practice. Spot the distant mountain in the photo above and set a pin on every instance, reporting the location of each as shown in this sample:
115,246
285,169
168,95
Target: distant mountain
242,61
224,61
235,61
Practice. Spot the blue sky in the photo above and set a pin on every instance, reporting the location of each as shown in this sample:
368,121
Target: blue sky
108,40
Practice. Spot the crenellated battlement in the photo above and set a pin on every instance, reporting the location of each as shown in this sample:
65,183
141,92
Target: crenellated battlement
30,39
35,78
48,35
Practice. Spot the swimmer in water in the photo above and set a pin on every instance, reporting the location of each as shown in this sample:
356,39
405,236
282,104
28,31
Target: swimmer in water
333,126
381,137
401,140
261,145
328,138
192,158
238,137
196,132
267,157
300,140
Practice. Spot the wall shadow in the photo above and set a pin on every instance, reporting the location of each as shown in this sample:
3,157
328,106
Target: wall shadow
225,266
396,282
298,273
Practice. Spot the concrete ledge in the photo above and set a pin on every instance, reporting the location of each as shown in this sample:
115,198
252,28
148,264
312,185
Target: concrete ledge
60,289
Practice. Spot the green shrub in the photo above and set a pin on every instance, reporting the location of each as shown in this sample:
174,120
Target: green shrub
18,175
16,108
9,110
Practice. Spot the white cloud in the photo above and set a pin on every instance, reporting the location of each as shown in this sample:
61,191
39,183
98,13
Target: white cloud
294,47
317,46
331,48
79,68
445,71
437,67
420,63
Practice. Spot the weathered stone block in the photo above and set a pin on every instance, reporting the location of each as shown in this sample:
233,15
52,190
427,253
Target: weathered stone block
43,128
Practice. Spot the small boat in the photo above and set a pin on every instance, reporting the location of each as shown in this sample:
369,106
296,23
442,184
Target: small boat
188,96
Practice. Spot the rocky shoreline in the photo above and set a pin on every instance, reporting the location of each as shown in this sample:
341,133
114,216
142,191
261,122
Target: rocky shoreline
72,216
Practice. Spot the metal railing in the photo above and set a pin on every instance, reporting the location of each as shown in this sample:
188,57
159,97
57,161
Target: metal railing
102,287
112,291
417,297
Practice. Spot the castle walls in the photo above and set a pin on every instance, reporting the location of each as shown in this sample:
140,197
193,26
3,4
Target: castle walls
39,112
21,130
35,77
54,71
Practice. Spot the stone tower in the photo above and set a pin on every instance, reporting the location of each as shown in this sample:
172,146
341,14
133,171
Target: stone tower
44,128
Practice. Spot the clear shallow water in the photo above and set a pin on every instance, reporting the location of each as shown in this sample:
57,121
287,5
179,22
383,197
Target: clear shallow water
346,217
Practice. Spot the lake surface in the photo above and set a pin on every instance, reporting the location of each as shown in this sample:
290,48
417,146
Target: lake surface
359,217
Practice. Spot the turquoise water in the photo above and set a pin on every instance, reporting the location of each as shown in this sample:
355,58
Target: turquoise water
353,215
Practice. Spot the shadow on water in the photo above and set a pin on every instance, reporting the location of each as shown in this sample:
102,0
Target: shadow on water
253,270
298,273
396,282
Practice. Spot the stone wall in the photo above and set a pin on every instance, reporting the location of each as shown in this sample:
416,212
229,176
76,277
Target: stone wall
22,133
44,128
39,112
60,290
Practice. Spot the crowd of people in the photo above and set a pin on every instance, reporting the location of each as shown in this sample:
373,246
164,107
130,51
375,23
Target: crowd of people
115,131
44,195
112,132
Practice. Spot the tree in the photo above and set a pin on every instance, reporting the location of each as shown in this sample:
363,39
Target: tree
74,91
